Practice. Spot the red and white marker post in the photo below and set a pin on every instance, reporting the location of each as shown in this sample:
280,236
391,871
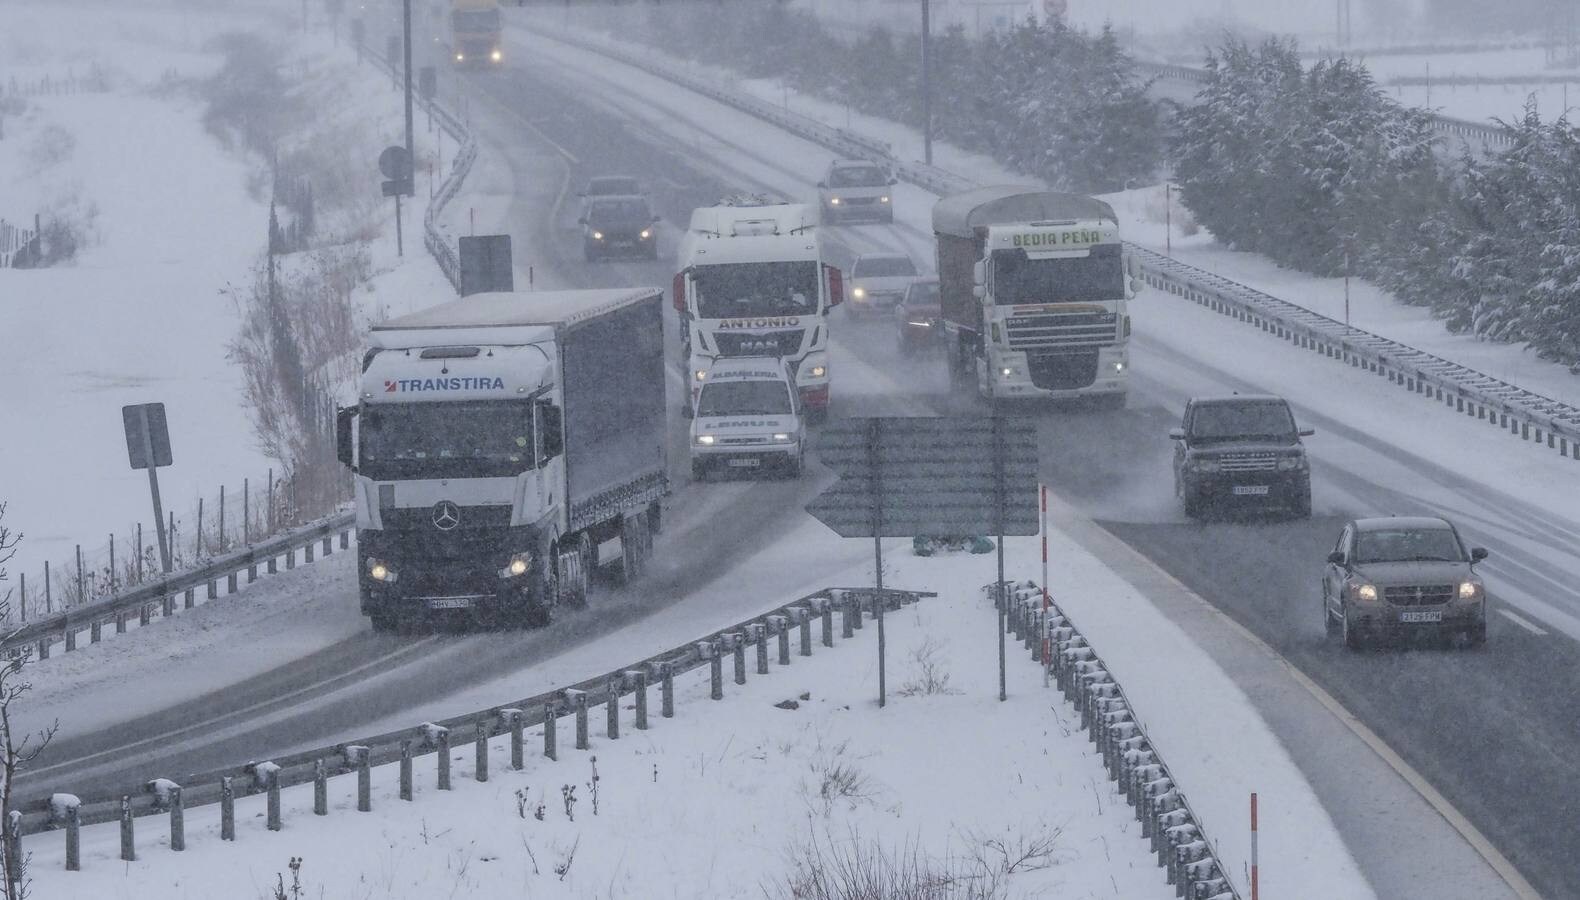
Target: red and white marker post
1047,649
1254,895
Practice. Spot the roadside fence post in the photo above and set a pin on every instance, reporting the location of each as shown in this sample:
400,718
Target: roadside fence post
737,644
361,755
481,762
128,851
550,722
227,810
638,679
759,634
710,651
579,706
855,608
73,836
273,784
612,726
442,739
512,720
666,689
846,626
781,627
178,828
405,769
804,620
320,788
826,609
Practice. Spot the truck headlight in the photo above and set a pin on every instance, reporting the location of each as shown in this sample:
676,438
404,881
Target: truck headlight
518,566
647,233
883,199
781,438
819,371
1469,590
379,570
706,440
597,235
1291,463
1007,371
1367,592
460,57
702,374
833,201
858,293
1119,366
496,56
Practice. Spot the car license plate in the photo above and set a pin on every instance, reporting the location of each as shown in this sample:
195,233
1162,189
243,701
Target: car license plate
1250,490
449,602
745,463
1422,615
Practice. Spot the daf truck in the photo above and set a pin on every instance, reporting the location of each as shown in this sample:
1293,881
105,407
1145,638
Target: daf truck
498,443
1033,291
752,282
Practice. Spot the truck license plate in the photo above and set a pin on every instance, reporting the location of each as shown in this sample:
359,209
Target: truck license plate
1423,615
745,463
1250,490
449,602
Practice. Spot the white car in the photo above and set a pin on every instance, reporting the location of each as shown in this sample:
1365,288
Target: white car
856,189
878,281
747,419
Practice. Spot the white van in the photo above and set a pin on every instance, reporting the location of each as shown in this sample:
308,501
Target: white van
748,418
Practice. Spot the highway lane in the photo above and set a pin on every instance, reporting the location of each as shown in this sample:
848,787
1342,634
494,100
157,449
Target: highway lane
1494,730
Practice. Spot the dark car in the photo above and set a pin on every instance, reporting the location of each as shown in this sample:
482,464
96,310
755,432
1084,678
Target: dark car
619,225
918,319
1241,449
1388,577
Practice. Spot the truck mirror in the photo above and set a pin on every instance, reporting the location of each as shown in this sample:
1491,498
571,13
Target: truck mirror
551,423
1135,286
836,286
979,273
678,292
345,448
978,291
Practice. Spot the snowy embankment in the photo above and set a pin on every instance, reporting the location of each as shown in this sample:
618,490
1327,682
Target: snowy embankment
771,781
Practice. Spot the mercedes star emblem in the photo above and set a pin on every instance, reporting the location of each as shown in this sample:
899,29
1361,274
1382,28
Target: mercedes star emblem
446,515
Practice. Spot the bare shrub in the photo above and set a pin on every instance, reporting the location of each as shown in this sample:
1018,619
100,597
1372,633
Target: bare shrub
52,146
930,676
859,869
836,781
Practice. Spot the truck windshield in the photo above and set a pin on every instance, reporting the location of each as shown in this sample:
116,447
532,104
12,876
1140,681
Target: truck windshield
755,289
744,398
463,439
1219,421
1020,279
475,20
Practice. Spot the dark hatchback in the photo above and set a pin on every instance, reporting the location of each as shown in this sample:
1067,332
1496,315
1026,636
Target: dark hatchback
918,318
619,226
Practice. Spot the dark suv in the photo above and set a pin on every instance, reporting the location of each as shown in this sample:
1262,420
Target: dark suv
619,225
1241,449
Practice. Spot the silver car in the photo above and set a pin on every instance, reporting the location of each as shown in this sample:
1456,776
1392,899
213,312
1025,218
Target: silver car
856,189
878,282
1396,576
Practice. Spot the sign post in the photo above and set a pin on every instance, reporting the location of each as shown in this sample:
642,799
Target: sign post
148,447
395,163
946,477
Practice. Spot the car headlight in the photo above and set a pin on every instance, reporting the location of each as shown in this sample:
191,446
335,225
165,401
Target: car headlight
1367,592
1469,590
702,374
1119,366
819,371
923,324
597,235
883,199
518,566
1204,465
647,233
1291,463
858,293
706,440
833,201
1006,371
460,57
496,56
379,570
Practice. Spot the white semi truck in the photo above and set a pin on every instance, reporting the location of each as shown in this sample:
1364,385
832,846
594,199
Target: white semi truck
497,442
1033,290
752,282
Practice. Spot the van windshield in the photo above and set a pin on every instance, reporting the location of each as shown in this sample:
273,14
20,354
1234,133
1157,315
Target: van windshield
744,398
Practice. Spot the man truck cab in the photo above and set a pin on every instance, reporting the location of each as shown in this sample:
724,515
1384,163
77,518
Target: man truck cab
748,418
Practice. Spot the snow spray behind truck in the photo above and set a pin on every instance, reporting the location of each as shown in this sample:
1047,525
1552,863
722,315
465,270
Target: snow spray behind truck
752,282
496,442
1032,286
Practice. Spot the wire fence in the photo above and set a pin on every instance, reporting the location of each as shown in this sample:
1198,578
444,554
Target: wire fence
19,245
94,81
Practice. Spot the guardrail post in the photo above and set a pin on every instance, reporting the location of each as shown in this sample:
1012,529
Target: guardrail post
307,552
43,648
320,788
95,631
737,644
827,613
612,725
120,621
212,591
710,652
405,769
252,572
178,826
71,638
326,543
128,850
666,689
364,777
345,540
230,583
442,739
781,627
480,753
639,688
273,784
188,598
290,558
550,721
512,721
167,605
73,836
579,706
803,617
142,615
759,634
846,626
272,566
856,611
227,809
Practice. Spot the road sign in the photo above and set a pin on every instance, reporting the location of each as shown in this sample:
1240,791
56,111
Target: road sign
395,163
398,188
485,264
147,435
944,476
148,447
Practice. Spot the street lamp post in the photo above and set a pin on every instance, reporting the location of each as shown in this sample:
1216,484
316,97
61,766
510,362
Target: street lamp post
927,85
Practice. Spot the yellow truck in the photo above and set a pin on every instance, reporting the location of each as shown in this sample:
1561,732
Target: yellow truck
476,33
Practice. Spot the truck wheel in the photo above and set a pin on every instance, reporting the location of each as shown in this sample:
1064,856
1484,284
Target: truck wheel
572,575
633,546
1113,401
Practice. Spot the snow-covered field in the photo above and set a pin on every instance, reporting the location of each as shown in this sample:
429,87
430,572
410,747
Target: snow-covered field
764,778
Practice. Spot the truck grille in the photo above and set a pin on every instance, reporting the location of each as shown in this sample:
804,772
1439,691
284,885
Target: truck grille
1419,594
421,518
1063,371
773,343
744,440
1248,462
1054,330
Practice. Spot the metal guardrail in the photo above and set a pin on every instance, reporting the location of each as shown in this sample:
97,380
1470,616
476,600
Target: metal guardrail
1176,832
64,626
1522,412
608,690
